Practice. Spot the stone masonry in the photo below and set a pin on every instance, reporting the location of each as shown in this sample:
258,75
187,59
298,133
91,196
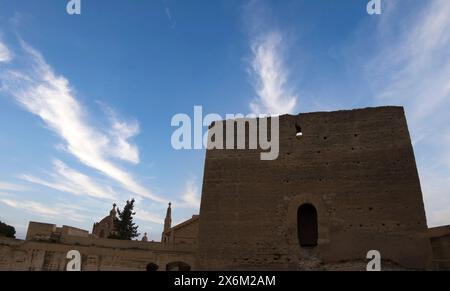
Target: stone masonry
356,168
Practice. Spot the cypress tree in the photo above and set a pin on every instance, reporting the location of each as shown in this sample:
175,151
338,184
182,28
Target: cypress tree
7,230
125,227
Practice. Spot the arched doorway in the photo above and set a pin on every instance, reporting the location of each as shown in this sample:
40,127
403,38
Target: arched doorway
151,267
178,266
307,226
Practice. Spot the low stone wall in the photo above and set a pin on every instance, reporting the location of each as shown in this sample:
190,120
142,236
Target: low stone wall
97,255
440,242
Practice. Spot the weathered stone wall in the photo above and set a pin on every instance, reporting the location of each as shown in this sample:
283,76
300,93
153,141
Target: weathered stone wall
73,231
187,235
440,242
184,233
39,229
46,231
97,255
358,170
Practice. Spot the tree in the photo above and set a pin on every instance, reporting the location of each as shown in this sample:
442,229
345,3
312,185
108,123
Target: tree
125,227
7,230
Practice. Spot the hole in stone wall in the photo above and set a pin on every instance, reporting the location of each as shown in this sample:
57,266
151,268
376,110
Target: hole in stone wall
298,130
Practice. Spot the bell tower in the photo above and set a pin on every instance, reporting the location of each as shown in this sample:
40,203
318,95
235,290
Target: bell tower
168,219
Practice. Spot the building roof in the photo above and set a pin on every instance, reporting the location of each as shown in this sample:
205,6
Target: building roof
439,231
184,223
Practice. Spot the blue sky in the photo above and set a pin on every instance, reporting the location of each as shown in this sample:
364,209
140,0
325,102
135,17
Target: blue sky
86,100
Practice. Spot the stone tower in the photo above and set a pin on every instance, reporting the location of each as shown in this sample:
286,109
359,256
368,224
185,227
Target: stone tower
168,219
344,183
167,222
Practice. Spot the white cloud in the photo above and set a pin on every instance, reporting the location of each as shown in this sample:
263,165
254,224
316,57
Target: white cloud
71,181
147,216
419,62
43,210
4,186
5,54
191,195
120,132
435,185
440,217
40,91
33,207
412,69
271,74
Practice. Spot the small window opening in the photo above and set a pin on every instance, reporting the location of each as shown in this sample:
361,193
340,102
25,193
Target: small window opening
299,131
307,225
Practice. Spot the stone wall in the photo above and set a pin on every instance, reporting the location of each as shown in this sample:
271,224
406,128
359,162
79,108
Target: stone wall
73,231
440,242
46,231
40,230
357,168
97,255
46,247
183,233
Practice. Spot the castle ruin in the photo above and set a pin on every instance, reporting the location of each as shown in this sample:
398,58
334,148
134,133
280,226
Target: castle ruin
345,183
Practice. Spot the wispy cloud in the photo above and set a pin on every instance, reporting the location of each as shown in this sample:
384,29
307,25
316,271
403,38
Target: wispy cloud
66,179
171,19
120,133
418,61
147,216
435,188
5,186
40,209
412,68
40,91
33,207
5,54
267,66
271,76
191,195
